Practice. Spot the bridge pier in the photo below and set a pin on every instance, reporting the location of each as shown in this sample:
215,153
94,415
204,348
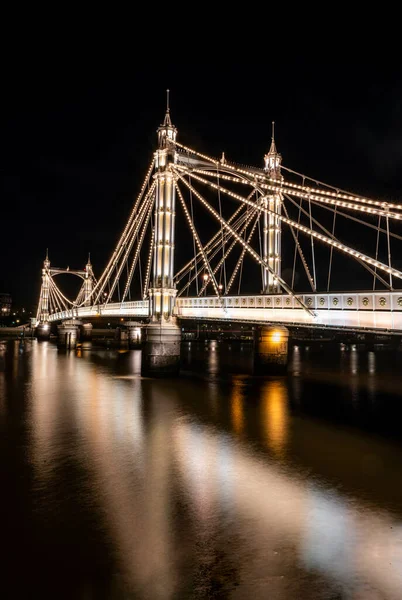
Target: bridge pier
270,350
161,349
68,333
121,335
86,331
134,333
129,332
43,331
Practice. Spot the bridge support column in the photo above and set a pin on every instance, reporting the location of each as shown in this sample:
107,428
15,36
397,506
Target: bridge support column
270,350
68,333
161,349
86,331
42,331
121,335
134,333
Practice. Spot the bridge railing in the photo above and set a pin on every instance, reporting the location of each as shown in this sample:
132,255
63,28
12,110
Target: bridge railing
379,301
138,308
373,310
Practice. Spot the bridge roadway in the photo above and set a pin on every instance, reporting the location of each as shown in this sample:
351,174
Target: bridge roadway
377,311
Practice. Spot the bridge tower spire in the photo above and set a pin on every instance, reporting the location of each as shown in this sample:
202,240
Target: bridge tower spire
44,293
272,222
162,293
161,351
88,282
42,315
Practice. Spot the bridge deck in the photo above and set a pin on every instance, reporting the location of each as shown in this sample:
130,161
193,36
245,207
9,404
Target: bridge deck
373,310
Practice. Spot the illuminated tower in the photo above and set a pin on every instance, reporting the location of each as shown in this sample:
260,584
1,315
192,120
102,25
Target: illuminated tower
162,336
44,293
272,222
88,282
42,329
162,293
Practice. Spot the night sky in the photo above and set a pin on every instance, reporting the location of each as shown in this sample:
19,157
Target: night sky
79,129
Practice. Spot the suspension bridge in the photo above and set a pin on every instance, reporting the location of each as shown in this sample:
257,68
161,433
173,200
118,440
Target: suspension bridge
209,238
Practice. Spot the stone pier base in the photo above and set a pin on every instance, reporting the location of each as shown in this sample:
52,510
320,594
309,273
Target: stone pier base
67,333
121,336
161,349
270,350
134,333
129,333
42,331
86,332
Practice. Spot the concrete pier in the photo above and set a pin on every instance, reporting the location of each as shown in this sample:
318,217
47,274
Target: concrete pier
67,333
121,336
134,333
161,349
85,332
270,350
42,331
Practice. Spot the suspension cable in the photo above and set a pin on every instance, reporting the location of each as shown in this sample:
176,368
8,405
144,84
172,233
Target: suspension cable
214,246
243,252
198,241
227,253
141,217
339,246
242,255
357,256
194,245
138,249
296,242
389,254
211,241
149,261
376,250
128,231
312,245
298,247
331,251
223,243
253,253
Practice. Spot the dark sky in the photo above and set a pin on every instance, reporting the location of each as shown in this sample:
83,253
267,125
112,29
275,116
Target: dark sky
79,128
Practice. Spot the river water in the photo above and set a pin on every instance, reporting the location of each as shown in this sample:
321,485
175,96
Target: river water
216,484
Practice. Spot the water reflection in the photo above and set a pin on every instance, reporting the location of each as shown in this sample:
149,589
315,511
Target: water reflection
295,361
371,363
372,382
332,536
196,489
275,415
237,401
213,358
329,539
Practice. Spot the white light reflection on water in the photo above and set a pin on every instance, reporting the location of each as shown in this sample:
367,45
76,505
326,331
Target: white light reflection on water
371,363
281,520
213,358
360,550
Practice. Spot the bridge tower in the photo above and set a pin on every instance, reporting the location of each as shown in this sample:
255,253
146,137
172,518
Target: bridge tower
88,282
43,327
161,350
162,293
272,223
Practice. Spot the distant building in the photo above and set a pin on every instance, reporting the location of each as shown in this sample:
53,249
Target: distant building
5,305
